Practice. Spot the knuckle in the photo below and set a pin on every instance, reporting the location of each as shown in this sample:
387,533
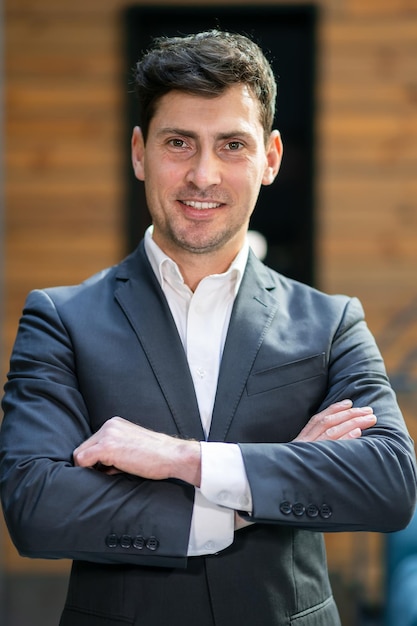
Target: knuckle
332,432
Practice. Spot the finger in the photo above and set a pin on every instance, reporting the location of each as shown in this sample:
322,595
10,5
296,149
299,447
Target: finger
356,433
350,426
317,422
110,470
339,417
353,434
88,452
335,408
343,417
88,455
85,445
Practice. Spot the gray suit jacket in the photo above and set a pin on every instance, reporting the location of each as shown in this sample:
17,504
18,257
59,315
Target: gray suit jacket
110,347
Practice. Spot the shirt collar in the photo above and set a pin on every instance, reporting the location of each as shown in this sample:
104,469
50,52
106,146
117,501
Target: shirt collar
162,263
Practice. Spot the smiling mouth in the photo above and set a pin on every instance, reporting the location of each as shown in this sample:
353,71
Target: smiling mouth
200,206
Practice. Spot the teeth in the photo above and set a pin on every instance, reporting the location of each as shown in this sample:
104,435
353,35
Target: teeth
201,205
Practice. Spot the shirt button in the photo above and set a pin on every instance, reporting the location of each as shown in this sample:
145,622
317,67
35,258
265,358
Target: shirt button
243,501
201,372
209,545
223,495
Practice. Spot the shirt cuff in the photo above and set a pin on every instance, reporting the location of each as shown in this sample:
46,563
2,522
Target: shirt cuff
212,527
223,476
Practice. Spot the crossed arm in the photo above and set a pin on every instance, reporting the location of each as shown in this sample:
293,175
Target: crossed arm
121,446
38,440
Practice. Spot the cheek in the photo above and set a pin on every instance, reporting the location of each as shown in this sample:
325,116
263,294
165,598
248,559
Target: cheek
255,168
162,175
249,180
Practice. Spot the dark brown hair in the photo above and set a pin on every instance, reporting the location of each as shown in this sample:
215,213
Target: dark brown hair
204,64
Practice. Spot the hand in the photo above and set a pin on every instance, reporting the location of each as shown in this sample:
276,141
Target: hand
121,446
339,421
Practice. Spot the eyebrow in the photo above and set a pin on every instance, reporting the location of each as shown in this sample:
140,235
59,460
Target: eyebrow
193,135
176,131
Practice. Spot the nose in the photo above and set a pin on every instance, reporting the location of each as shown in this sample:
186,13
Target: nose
204,169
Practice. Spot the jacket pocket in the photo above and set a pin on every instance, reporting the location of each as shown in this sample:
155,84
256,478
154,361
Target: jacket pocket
323,614
288,374
72,616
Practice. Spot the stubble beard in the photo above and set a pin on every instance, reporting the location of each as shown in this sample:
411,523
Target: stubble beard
193,237
199,243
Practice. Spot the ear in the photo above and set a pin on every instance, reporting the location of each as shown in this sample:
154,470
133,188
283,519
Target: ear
274,152
138,153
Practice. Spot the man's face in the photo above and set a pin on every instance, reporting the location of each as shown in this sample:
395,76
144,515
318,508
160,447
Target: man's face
203,164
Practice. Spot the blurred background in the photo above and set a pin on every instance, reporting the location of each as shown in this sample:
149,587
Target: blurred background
70,206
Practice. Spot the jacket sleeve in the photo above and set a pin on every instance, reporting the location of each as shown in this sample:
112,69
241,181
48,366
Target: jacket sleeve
364,484
56,510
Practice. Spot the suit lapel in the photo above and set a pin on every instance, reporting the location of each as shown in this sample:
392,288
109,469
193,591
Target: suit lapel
252,314
141,298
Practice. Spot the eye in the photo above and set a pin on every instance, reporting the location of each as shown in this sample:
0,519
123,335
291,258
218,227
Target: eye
233,146
177,143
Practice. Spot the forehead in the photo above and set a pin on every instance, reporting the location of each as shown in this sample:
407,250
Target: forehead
235,107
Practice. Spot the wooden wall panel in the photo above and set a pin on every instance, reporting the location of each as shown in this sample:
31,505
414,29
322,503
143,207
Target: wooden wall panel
372,8
368,207
65,154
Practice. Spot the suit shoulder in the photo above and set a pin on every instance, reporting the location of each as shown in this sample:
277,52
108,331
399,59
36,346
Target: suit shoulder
311,298
93,288
63,293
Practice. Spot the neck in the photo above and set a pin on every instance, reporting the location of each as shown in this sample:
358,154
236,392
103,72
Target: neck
195,267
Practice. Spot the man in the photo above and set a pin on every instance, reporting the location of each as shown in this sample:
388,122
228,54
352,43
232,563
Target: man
186,424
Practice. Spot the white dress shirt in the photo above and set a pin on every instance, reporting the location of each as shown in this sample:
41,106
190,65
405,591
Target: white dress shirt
202,320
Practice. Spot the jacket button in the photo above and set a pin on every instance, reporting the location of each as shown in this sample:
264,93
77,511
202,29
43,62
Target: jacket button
112,541
312,510
125,541
325,511
298,509
138,542
152,543
285,507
